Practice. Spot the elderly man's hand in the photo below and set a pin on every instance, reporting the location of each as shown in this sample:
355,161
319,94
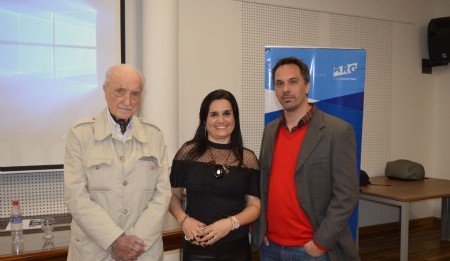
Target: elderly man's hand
127,248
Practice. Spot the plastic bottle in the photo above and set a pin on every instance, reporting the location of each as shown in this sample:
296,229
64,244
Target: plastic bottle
15,219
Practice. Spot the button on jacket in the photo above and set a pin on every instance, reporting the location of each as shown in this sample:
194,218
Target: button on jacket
114,187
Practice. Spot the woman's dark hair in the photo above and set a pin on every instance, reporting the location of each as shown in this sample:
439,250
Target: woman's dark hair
200,139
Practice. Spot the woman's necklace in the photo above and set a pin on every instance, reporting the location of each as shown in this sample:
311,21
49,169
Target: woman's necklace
219,169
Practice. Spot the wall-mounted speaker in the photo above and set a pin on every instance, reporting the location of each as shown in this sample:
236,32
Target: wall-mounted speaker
439,40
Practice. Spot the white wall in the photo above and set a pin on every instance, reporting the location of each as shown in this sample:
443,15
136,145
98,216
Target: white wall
421,125
441,137
210,28
210,57
413,109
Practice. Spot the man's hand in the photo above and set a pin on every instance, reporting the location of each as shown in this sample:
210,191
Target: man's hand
266,241
313,250
127,248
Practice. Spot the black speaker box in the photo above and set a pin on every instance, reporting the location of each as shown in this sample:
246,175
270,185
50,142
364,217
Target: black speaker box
439,39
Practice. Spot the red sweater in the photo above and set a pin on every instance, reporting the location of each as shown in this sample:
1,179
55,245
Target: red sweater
287,225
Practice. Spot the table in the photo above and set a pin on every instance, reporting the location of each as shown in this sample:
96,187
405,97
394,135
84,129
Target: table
402,193
37,248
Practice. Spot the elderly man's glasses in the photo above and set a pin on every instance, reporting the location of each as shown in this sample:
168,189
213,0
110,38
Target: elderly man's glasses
121,92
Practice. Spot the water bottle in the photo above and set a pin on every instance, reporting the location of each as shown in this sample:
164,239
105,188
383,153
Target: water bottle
15,219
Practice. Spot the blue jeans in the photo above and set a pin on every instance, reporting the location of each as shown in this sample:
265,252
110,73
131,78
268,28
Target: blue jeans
275,252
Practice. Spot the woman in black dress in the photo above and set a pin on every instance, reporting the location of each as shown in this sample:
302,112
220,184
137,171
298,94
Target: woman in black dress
221,179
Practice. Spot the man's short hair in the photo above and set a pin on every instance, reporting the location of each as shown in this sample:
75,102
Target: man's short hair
304,71
111,70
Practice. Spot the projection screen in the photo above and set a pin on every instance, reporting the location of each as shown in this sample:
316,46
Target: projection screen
53,57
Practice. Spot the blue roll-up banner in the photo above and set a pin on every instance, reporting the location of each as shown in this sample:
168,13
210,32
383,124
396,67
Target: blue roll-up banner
336,87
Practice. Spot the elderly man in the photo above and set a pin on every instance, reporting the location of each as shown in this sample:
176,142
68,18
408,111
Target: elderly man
116,177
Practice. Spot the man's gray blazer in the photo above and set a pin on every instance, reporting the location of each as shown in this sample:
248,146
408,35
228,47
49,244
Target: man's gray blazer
326,182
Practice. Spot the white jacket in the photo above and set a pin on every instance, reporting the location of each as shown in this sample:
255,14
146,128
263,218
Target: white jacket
114,187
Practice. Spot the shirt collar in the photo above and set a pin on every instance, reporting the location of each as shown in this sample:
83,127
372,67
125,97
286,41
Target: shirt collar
302,122
115,127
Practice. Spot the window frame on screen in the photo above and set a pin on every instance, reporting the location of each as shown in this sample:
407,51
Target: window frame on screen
60,167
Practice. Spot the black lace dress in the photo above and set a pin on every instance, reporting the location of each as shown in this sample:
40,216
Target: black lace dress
210,198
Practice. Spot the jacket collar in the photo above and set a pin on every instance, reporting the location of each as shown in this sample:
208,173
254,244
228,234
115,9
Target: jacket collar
312,137
102,129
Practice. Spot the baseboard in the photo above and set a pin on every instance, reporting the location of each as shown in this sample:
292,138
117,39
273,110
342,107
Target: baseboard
420,222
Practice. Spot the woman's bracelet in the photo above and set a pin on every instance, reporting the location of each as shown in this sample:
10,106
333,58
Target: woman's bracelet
184,220
234,222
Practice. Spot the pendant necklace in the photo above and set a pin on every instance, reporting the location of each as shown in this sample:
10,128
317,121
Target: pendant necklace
219,169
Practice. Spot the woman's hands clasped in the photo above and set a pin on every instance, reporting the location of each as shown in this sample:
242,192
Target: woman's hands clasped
198,233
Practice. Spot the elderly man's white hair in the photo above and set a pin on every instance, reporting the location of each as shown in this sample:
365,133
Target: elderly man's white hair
122,67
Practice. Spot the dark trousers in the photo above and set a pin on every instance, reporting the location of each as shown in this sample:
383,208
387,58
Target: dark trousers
235,250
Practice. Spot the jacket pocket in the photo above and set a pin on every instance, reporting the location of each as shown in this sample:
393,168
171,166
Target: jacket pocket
98,173
150,168
77,238
82,247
